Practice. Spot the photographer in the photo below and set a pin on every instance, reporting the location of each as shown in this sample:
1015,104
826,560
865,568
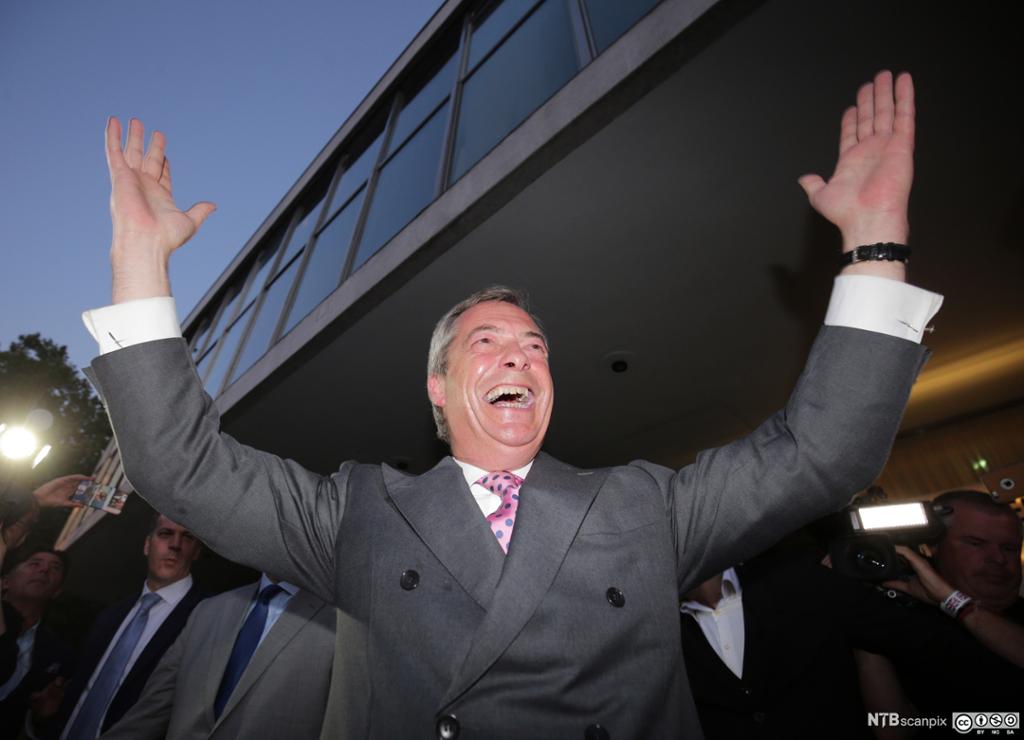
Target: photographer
977,572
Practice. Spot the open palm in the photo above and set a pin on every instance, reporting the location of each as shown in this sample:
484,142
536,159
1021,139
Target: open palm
147,224
868,194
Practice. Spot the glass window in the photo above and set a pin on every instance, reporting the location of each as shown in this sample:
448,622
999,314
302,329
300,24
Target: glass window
204,362
489,30
423,102
323,271
229,344
357,173
528,69
224,316
200,336
609,19
266,261
406,184
266,320
303,230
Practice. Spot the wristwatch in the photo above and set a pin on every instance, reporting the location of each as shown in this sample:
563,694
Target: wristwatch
888,251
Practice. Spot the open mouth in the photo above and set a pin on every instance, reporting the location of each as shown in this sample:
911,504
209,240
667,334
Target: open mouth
510,396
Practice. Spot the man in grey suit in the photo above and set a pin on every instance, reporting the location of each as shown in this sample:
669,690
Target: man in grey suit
280,689
463,613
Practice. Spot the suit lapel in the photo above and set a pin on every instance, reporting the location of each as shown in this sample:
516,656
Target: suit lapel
166,633
301,608
553,503
228,624
441,510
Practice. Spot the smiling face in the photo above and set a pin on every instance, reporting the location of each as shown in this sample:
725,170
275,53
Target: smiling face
170,550
497,393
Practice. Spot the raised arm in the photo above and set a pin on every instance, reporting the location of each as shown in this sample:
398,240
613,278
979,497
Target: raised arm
250,506
148,226
835,433
867,195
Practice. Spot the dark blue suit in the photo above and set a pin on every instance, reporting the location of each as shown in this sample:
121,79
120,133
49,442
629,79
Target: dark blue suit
103,631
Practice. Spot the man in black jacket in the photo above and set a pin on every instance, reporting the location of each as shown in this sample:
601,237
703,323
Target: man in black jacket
127,640
36,655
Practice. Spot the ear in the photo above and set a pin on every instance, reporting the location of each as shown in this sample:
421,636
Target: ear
145,546
435,390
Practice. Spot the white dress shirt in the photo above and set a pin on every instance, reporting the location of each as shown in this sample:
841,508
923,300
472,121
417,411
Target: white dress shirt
170,597
488,501
276,606
723,626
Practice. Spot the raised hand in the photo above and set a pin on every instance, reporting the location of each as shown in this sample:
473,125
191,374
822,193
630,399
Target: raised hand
57,492
148,226
868,193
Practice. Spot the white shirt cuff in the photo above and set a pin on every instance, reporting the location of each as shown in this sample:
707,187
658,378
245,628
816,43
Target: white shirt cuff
133,322
881,305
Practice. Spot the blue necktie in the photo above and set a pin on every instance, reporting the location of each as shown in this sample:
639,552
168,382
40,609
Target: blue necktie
94,708
245,645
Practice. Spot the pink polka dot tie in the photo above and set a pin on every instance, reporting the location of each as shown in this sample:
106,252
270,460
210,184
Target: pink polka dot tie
506,485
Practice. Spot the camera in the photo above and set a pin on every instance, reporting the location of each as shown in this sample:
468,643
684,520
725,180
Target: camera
863,538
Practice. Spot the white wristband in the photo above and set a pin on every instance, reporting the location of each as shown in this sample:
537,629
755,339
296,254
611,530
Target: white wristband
954,603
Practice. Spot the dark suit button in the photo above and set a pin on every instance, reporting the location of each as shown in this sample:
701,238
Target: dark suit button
747,691
410,579
596,732
760,716
616,598
447,726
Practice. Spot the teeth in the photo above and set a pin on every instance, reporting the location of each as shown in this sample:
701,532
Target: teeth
518,393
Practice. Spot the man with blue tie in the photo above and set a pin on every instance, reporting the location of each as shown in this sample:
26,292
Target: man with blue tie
127,640
251,662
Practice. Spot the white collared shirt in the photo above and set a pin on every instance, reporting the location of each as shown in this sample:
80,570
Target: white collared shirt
723,626
170,597
277,604
488,501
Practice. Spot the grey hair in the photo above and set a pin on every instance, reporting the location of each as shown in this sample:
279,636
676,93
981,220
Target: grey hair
445,331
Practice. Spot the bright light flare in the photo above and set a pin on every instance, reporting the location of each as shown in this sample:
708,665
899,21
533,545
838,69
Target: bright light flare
893,516
41,455
17,443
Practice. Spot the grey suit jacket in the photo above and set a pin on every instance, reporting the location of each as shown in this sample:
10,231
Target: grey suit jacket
579,625
282,694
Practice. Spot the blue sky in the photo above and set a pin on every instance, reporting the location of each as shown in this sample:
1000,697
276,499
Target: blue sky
247,93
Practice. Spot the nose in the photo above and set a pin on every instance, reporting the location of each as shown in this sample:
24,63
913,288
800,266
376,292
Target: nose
995,554
175,543
514,357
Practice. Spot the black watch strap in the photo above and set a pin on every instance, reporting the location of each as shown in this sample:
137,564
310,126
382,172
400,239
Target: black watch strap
888,251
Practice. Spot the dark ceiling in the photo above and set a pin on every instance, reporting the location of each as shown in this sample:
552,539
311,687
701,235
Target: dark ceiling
676,237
